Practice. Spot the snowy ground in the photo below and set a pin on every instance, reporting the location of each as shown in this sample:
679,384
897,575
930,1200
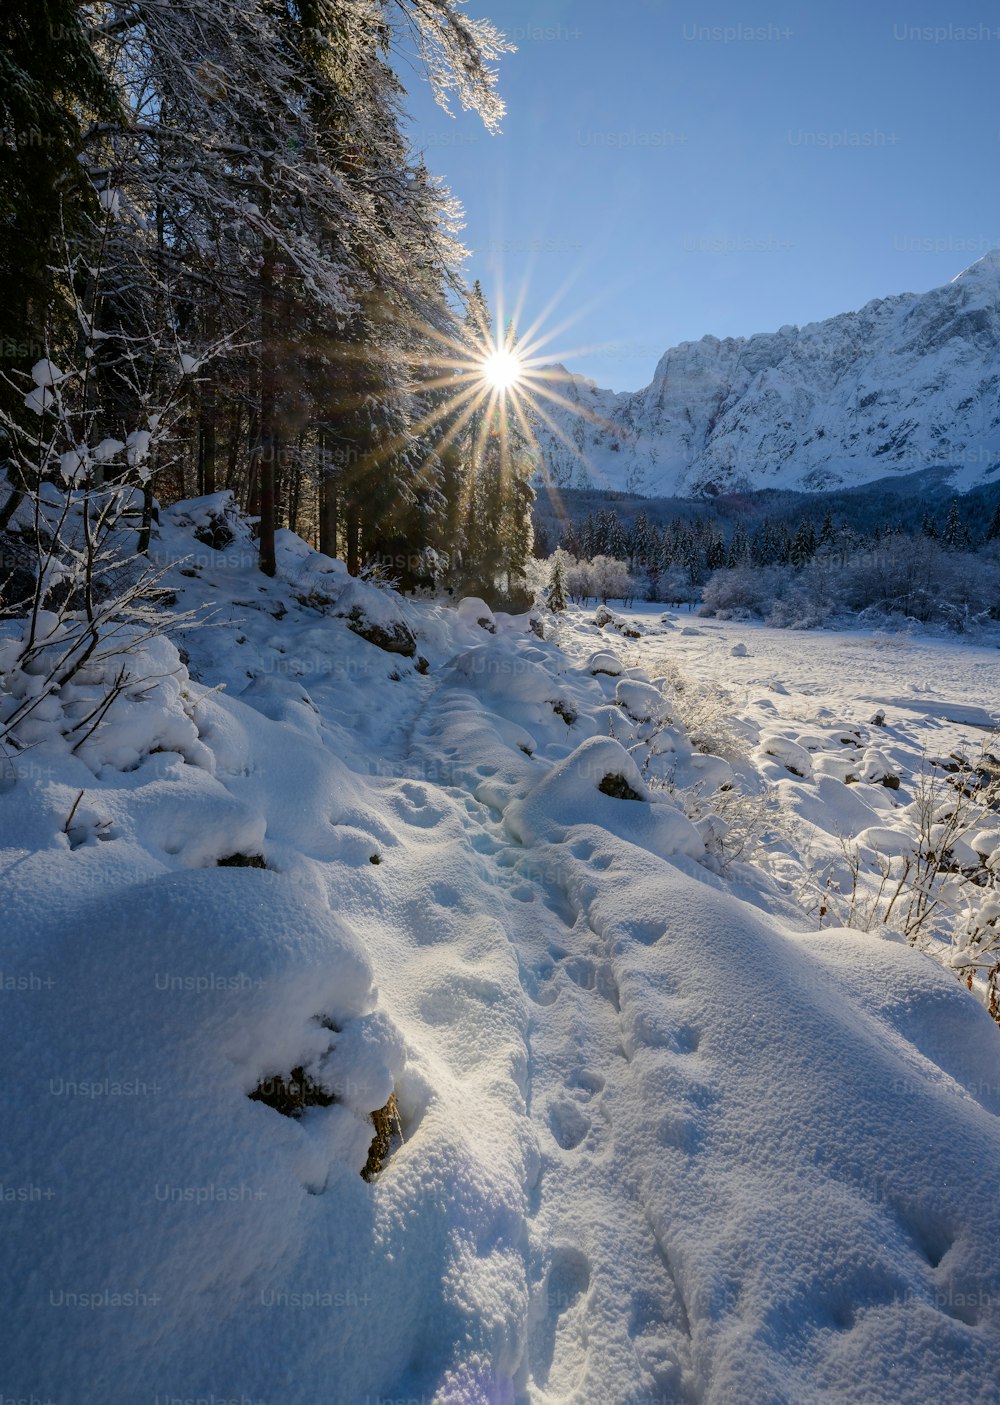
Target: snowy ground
664,1138
916,677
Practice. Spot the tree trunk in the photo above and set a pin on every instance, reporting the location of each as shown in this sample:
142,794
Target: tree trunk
295,486
232,465
14,499
269,443
353,532
329,504
207,443
253,477
146,529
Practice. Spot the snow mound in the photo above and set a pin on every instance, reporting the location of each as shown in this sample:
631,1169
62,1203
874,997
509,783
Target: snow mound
604,662
642,701
171,1001
571,796
788,753
473,611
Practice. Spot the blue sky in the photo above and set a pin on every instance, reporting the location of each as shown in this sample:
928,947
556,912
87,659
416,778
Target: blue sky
667,170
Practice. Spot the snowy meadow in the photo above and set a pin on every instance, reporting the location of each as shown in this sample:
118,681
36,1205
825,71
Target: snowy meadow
485,1018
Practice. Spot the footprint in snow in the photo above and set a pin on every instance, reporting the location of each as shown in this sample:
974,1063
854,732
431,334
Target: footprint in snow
558,1340
589,976
569,1124
588,1082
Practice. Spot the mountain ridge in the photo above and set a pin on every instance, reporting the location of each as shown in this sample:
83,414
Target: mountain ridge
906,382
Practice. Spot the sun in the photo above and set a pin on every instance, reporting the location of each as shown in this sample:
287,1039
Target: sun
488,387
502,369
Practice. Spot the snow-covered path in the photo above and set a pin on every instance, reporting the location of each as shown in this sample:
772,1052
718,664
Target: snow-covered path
593,1322
605,1313
640,1061
663,1140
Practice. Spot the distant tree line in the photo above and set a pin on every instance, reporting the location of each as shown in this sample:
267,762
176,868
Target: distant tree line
791,572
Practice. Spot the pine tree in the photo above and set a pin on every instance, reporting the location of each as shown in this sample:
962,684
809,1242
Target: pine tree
766,546
739,547
954,536
51,86
715,554
287,202
556,599
803,547
498,478
617,544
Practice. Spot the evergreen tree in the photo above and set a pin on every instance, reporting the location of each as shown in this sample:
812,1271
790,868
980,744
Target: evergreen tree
617,543
498,490
571,543
954,536
766,544
715,555
51,86
803,547
739,548
556,599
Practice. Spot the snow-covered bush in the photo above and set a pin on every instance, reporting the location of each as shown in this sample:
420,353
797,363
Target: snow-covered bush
611,579
935,880
705,712
76,515
604,578
802,602
739,593
905,579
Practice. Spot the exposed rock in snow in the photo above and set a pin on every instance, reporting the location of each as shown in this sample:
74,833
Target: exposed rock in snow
791,755
472,610
394,637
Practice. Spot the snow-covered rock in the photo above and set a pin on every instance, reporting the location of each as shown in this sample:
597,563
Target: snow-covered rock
580,792
642,701
473,611
789,753
606,663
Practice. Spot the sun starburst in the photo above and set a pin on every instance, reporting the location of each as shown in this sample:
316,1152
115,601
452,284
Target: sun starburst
491,383
502,369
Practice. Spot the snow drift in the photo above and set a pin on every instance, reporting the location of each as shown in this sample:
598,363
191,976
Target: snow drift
656,1140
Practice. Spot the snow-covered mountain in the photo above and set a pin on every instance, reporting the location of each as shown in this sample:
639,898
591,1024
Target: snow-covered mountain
908,382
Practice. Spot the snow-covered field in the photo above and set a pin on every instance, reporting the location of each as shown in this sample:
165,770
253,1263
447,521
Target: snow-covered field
914,676
664,1132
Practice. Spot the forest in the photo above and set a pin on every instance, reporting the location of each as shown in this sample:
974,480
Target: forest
791,565
223,266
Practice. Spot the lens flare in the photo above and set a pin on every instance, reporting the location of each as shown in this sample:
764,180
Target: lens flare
496,384
502,369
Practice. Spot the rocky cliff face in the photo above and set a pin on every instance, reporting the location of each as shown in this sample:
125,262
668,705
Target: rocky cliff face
908,382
